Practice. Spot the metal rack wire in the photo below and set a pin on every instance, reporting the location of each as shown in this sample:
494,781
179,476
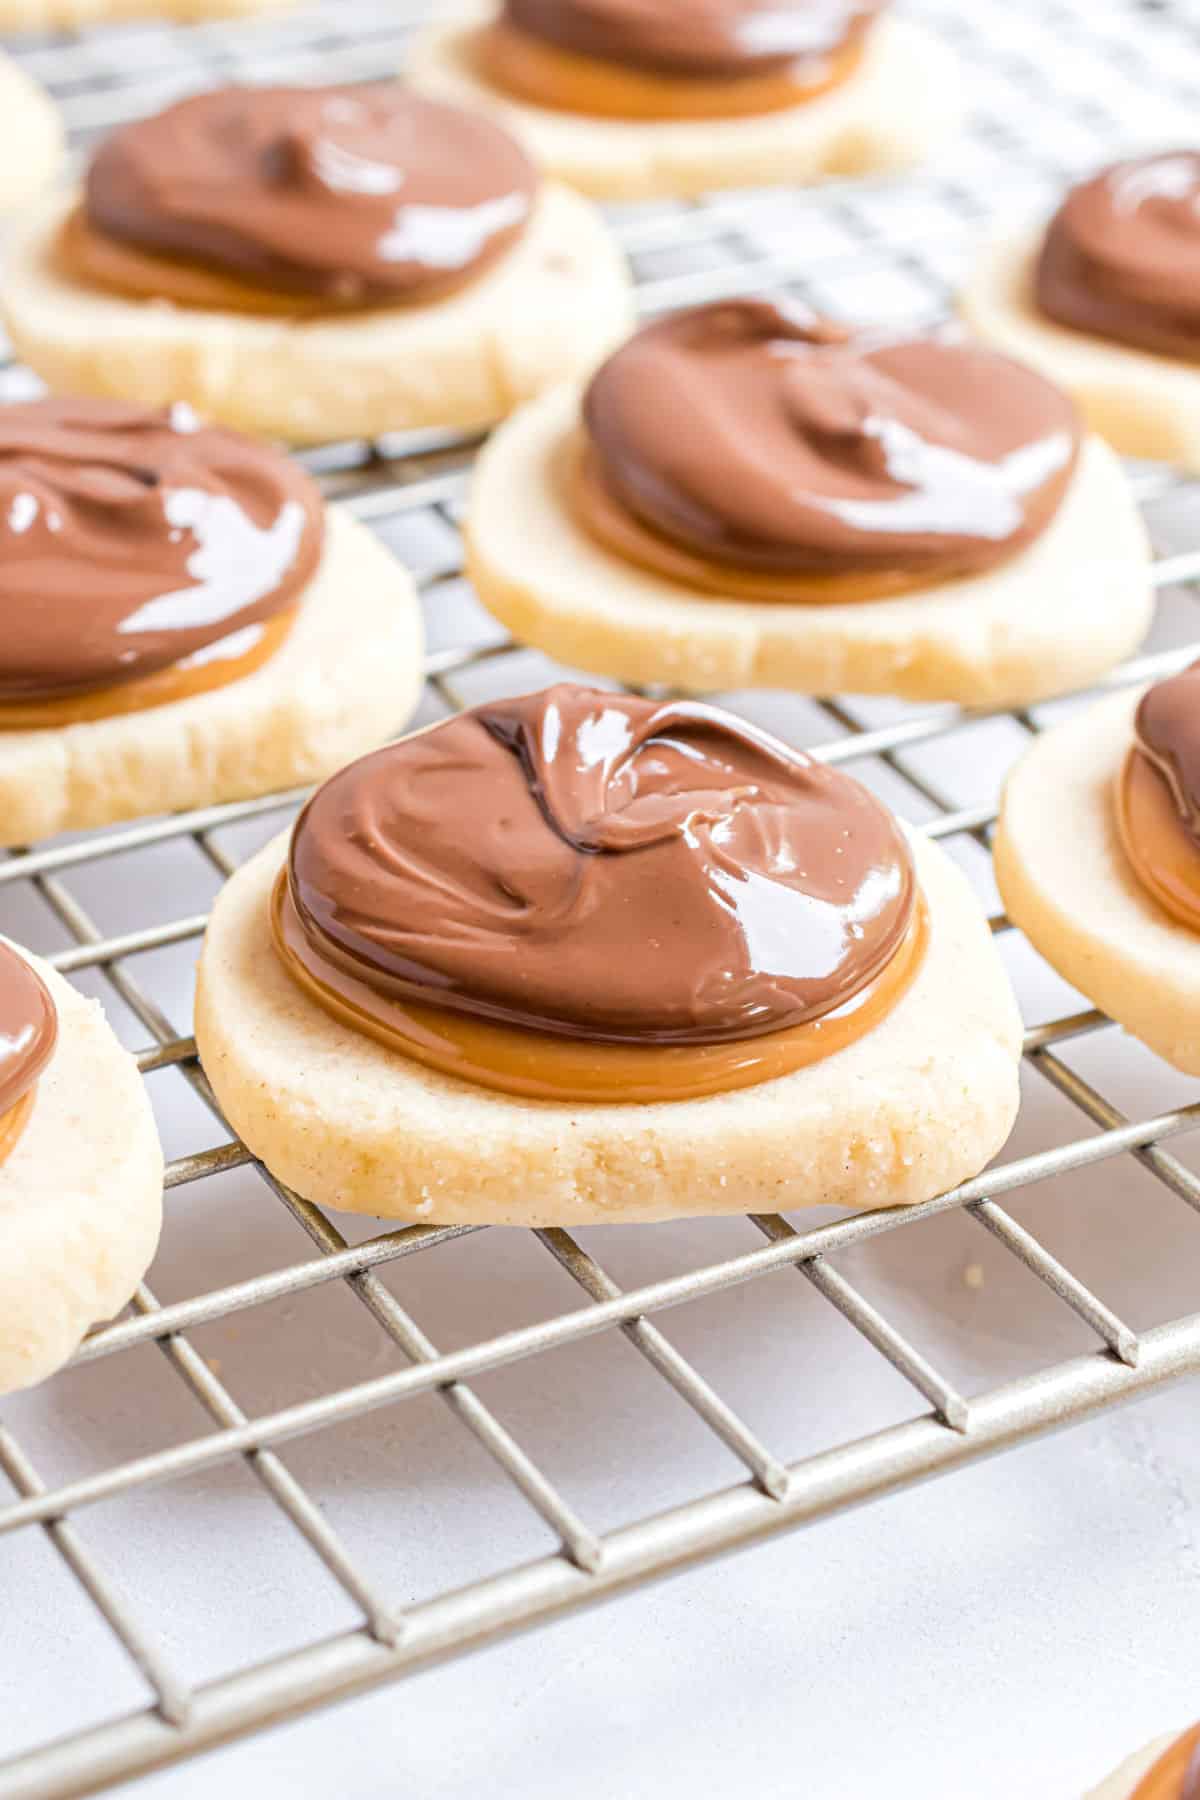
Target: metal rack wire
850,249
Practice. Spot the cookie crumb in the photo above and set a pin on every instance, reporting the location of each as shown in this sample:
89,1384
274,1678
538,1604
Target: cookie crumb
973,1276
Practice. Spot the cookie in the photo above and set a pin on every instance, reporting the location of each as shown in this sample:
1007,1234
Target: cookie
348,674
32,140
1143,403
1072,604
297,306
184,623
901,101
303,1055
1106,299
1068,883
80,1194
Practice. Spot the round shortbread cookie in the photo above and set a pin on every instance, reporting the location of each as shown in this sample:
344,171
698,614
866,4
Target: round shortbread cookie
72,15
903,100
347,677
1066,881
1124,1781
1144,404
918,1104
80,1196
1055,617
554,306
31,136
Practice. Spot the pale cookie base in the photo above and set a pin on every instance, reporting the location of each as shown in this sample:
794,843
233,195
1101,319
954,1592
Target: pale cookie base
554,306
31,136
80,1196
1124,1781
1066,882
1144,404
1057,616
902,101
71,15
917,1105
346,678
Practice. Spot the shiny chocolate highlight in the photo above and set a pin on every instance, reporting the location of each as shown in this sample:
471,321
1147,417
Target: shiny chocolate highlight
131,541
1121,257
763,439
356,195
602,868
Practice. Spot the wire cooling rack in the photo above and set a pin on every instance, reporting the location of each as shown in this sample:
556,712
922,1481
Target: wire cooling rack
1056,88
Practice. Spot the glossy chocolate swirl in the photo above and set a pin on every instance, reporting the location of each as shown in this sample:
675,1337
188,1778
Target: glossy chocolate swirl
1121,257
603,867
695,38
357,194
1167,728
766,439
130,540
28,1027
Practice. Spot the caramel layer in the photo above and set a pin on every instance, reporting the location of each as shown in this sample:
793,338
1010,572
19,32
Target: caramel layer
541,75
1162,854
13,1123
195,675
1175,1774
89,256
538,1066
596,508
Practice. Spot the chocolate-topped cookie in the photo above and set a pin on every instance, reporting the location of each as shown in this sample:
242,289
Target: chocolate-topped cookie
315,262
1097,857
80,1170
644,99
581,956
748,495
1104,298
185,623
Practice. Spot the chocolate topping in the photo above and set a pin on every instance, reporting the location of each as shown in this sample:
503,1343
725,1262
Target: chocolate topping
1167,727
604,867
766,439
130,540
1121,257
695,38
28,1027
359,194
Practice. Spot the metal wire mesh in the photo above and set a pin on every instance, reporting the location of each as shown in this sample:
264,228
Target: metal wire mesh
1056,88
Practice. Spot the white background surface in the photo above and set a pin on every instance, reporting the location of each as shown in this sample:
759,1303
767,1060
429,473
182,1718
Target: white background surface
1005,1634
